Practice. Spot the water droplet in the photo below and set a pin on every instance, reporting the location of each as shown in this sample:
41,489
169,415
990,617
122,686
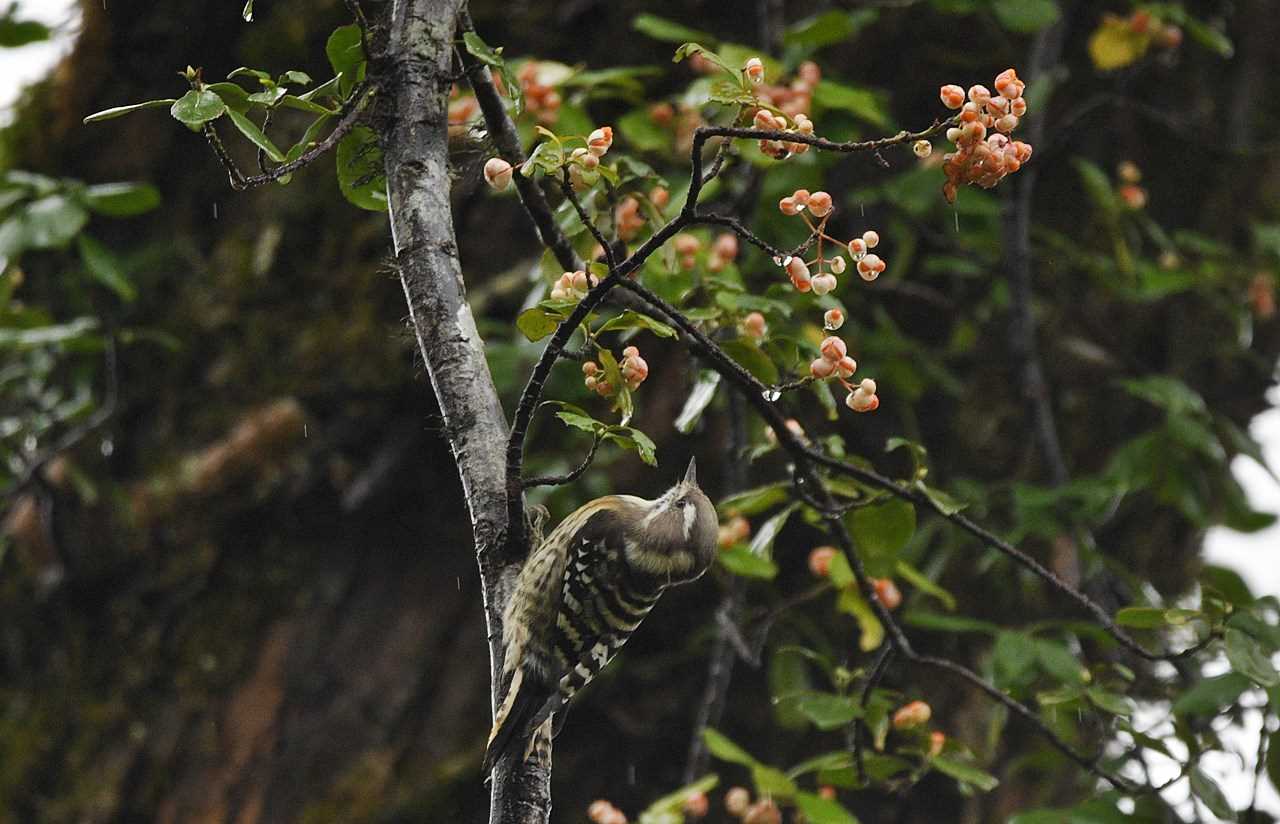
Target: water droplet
107,447
772,394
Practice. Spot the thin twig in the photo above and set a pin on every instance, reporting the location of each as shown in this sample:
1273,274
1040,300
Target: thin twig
559,480
351,115
873,680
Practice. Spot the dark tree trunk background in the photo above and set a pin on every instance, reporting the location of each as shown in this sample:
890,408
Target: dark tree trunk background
273,613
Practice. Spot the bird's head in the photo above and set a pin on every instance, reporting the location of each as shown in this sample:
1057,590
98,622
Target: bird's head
677,533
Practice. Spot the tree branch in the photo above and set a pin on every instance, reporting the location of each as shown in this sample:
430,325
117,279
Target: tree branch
415,70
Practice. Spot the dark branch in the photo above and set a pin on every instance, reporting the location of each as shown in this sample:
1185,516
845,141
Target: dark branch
559,480
350,116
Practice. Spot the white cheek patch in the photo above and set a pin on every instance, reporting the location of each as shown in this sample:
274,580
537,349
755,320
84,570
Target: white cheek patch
690,515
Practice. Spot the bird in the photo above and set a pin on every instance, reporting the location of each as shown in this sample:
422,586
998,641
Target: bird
583,591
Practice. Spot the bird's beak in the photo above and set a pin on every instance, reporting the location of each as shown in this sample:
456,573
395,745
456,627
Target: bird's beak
691,474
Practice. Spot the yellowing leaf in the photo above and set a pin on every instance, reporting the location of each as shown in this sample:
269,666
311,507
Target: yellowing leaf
1115,45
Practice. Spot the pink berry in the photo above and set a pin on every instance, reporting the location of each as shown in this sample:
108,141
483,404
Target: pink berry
824,284
979,94
1007,123
857,248
952,96
846,366
832,319
820,204
763,119
821,368
497,173
737,800
837,265
754,67
788,206
922,148
870,267
798,269
754,325
914,714
801,196
833,348
599,141
872,238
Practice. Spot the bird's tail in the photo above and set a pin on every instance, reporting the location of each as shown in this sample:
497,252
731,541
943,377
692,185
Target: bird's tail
527,706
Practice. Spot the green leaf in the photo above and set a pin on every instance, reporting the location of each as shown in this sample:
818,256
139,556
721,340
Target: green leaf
754,501
829,28
360,170
47,223
871,631
762,541
121,199
298,78
882,530
724,749
819,810
256,136
1209,37
290,101
771,781
836,760
71,331
536,323
1141,617
923,583
1209,696
1013,659
1248,659
105,267
742,561
346,54
1273,759
233,94
674,802
825,710
948,623
964,772
668,31
752,358
945,503
1210,794
635,320
1026,16
1111,702
196,108
861,103
632,438
1058,661
121,111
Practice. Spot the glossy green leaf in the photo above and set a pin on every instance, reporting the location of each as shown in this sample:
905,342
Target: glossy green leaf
1248,659
1026,16
360,172
121,199
964,772
668,31
742,561
1210,794
121,111
825,710
819,810
105,267
255,135
536,323
721,747
1208,696
196,108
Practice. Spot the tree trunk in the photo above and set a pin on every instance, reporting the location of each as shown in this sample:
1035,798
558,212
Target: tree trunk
416,79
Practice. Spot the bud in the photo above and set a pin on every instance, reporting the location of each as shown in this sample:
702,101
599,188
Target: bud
937,740
696,805
599,141
822,368
754,325
497,173
909,716
820,204
764,811
827,791
820,560
687,244
952,96
659,197
887,592
833,349
737,800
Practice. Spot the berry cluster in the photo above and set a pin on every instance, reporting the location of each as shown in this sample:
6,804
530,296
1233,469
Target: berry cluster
1132,195
724,250
793,99
981,159
582,163
1163,35
912,715
734,531
887,592
540,99
737,802
834,362
573,285
820,205
754,326
782,149
634,370
628,217
687,247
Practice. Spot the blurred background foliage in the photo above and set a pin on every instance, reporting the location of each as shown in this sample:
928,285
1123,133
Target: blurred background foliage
235,572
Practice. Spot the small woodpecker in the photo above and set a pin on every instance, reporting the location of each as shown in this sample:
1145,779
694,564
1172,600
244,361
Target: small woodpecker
582,593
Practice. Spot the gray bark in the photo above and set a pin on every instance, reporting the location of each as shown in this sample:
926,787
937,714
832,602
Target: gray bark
414,73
